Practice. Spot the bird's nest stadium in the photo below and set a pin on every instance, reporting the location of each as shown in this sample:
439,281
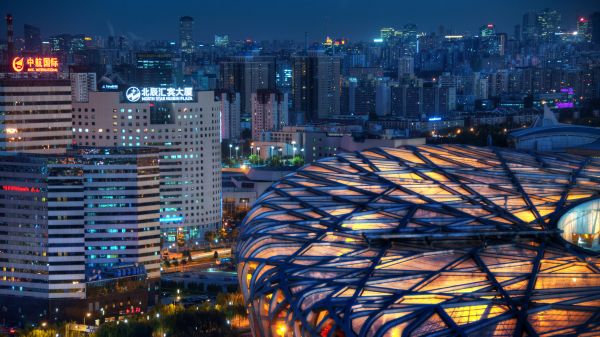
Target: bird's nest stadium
426,241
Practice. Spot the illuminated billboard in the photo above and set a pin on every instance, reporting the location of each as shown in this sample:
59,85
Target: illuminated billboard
158,94
35,64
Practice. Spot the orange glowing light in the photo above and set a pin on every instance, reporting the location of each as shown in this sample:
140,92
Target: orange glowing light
18,64
35,64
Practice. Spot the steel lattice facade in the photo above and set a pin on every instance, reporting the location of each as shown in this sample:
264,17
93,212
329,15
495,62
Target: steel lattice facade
422,241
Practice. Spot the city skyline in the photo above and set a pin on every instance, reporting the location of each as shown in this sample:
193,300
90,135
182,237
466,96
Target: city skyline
328,18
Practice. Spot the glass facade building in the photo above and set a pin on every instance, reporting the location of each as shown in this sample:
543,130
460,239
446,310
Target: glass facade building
426,241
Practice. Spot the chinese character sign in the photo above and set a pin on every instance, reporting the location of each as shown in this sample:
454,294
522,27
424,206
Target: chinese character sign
155,94
35,64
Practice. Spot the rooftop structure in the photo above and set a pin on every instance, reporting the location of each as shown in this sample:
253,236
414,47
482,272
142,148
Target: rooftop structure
426,241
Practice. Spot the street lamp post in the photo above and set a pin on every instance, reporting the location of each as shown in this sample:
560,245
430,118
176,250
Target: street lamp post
236,152
272,148
230,146
258,153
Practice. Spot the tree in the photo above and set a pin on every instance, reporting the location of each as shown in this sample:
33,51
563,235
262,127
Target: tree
297,161
275,161
254,159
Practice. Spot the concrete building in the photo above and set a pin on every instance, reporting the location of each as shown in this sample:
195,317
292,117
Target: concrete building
121,210
230,114
81,85
269,112
187,134
186,34
246,75
36,114
67,219
316,86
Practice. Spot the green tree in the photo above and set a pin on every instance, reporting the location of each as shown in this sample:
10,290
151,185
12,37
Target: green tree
275,161
298,161
254,159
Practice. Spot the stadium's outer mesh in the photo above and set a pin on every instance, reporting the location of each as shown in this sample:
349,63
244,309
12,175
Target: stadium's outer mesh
422,241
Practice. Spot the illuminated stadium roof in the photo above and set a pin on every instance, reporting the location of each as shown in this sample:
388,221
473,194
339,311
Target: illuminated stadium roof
426,241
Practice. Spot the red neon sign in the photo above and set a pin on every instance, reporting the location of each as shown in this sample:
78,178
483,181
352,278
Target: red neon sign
13,188
35,64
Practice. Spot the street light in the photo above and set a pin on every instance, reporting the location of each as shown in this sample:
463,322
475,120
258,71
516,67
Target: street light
272,148
236,152
86,315
230,146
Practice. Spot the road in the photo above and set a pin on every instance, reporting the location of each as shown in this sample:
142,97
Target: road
200,260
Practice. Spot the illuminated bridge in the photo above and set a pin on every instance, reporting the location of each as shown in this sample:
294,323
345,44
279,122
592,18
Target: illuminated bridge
426,241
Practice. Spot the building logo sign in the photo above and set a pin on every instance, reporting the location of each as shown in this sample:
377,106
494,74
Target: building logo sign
35,64
13,188
135,94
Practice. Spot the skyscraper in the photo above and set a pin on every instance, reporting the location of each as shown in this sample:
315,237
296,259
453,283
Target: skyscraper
154,69
70,218
548,24
230,114
269,111
595,21
33,39
316,86
246,75
81,85
40,121
584,31
186,34
187,134
406,67
529,26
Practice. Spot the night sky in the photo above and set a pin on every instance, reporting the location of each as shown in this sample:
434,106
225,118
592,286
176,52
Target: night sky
275,19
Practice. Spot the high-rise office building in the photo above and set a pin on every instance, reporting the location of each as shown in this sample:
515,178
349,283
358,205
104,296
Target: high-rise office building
406,67
529,26
269,112
584,30
121,208
36,114
595,23
81,85
316,86
548,24
410,40
186,34
70,218
154,69
187,134
33,39
230,114
422,101
221,40
246,75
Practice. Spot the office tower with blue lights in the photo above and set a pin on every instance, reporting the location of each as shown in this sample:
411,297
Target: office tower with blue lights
186,34
73,224
184,125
